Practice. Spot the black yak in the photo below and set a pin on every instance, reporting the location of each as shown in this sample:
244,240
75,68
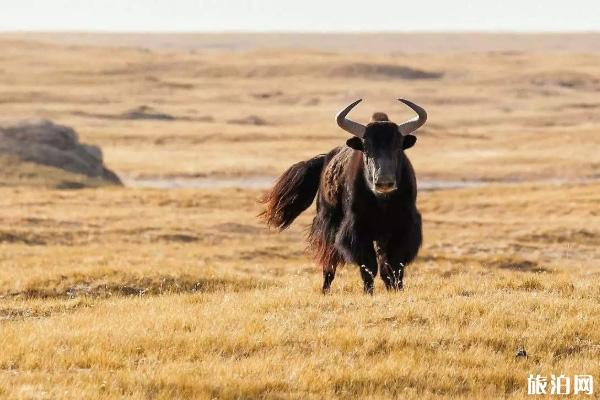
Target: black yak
366,204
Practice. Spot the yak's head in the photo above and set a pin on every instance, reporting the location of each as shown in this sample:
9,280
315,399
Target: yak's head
382,143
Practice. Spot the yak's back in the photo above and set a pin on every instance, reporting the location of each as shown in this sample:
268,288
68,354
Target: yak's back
335,172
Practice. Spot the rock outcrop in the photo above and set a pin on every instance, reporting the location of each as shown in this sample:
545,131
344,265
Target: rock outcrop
41,141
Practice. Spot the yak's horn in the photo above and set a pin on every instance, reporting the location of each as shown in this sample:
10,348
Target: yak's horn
415,123
350,126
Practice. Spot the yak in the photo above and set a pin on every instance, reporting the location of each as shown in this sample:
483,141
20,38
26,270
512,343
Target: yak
366,210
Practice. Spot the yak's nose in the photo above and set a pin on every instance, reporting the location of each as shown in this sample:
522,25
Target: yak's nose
385,186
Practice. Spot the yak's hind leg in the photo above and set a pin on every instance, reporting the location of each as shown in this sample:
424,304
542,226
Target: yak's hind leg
321,242
358,250
327,256
328,276
329,259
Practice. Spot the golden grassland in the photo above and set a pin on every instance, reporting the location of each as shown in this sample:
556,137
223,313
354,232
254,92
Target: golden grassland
145,293
169,294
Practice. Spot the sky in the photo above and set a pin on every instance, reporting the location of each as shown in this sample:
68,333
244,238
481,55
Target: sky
300,15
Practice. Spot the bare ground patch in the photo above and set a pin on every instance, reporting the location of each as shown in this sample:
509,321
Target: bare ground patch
567,236
22,312
124,284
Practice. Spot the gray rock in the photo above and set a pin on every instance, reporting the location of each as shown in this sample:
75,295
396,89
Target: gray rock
43,142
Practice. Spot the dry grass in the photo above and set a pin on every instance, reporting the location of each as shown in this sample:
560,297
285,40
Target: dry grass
132,293
170,294
492,115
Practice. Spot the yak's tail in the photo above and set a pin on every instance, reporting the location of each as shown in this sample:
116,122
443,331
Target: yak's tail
293,193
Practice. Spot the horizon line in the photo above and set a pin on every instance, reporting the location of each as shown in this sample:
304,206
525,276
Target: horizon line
301,32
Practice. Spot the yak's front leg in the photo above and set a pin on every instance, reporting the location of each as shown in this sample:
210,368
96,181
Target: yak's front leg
395,253
359,250
391,267
368,271
391,274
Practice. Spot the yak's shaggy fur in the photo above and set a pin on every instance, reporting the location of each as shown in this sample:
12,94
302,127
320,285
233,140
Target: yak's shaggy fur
352,224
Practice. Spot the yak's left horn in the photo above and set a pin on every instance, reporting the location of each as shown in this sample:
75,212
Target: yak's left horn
415,123
350,126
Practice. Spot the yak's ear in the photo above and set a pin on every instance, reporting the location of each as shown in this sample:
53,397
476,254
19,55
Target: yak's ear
409,141
355,143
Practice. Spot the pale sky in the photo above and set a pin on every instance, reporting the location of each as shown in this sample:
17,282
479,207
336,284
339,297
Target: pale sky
300,15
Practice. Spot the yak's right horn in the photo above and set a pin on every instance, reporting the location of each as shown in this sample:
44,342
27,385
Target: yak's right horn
415,123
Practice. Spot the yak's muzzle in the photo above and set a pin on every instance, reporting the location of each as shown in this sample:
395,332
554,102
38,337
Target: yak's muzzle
385,186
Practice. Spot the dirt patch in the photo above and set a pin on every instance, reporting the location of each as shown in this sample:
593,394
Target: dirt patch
270,253
566,236
178,237
199,182
249,120
148,113
122,284
232,227
267,95
22,313
17,237
145,113
519,265
567,80
389,71
338,69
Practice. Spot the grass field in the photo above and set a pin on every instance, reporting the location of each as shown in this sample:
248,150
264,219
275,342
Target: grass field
181,293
